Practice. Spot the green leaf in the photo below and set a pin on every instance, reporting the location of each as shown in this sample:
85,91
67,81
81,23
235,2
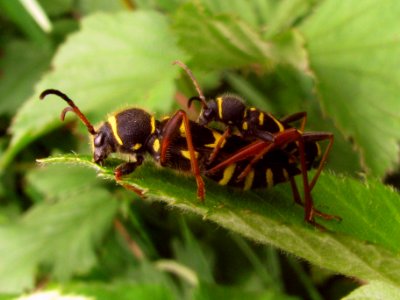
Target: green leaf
57,7
218,42
248,11
282,15
269,273
18,259
16,11
110,63
53,183
210,291
272,16
61,233
191,254
120,291
167,6
364,244
304,279
92,6
374,290
101,291
18,79
288,48
354,49
8,297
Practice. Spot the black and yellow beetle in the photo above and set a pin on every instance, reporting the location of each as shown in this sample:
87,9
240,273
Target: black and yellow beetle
277,134
136,132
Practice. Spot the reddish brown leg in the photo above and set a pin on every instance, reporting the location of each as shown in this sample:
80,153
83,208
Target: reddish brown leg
297,200
137,191
170,128
295,191
316,137
218,146
308,202
296,117
254,149
309,209
281,139
259,148
127,168
242,154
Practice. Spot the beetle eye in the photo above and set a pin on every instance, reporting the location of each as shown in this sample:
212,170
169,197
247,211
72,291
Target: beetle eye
207,113
98,140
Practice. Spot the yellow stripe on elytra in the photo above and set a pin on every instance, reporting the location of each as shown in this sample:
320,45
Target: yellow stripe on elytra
245,126
219,103
137,146
279,124
217,137
182,129
113,122
270,178
186,154
248,182
156,145
153,124
261,119
228,173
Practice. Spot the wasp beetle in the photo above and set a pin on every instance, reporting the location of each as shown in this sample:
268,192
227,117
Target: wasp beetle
272,134
136,132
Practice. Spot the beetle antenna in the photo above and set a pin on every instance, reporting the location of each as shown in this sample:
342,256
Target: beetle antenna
64,112
72,107
201,97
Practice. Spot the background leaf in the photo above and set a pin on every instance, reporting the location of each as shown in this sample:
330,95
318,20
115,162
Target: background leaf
120,291
18,80
219,41
374,290
208,291
99,291
61,233
57,7
282,15
354,49
16,11
107,65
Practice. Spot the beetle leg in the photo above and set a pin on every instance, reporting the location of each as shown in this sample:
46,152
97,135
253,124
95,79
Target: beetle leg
127,168
218,146
174,123
296,117
259,148
297,200
280,139
316,137
244,153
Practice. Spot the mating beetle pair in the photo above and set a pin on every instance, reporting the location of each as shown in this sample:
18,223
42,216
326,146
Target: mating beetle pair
266,151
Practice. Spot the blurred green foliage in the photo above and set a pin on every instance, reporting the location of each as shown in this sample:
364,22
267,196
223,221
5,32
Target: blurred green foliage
67,232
